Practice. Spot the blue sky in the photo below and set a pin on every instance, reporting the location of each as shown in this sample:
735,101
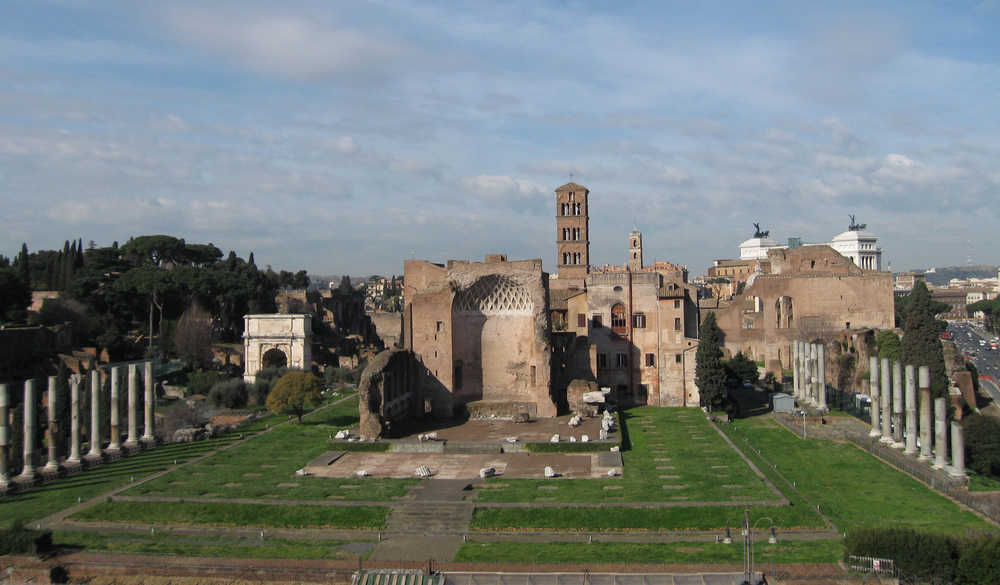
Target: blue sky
347,137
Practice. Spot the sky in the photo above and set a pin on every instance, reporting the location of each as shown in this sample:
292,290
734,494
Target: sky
347,137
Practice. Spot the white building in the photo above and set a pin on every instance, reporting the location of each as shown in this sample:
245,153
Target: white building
757,248
861,246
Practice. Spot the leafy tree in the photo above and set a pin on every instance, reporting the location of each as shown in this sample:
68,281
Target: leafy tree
922,341
296,392
741,368
889,345
154,250
709,372
231,393
903,304
15,296
991,312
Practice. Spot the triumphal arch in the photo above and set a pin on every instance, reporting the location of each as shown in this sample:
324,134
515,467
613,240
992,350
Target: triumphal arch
278,340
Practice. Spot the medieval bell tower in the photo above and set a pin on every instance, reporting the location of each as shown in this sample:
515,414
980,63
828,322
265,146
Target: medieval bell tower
572,237
635,251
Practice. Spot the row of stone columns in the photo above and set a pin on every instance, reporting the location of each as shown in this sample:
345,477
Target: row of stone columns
894,391
809,373
96,454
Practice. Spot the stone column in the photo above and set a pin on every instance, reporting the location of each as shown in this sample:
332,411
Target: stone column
52,465
924,381
873,390
133,433
957,451
795,368
74,420
95,416
114,446
897,405
911,410
821,375
30,424
813,375
4,437
940,433
886,396
147,431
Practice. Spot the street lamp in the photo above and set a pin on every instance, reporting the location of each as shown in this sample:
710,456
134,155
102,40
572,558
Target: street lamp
749,572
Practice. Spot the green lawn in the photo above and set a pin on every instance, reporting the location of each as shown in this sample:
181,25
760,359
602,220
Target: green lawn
39,502
583,554
225,514
199,546
265,467
851,487
673,447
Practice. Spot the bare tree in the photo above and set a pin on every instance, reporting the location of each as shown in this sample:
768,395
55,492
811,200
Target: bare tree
193,336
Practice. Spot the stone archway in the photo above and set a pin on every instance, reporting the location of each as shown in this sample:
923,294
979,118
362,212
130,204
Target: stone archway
269,338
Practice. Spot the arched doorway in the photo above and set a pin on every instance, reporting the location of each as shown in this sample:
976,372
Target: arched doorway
274,358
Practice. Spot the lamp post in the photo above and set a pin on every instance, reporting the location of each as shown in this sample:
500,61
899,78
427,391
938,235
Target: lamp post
749,571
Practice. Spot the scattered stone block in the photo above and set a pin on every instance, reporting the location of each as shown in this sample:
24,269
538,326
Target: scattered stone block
361,473
487,472
572,439
423,471
511,440
342,434
612,472
549,472
615,449
585,439
555,438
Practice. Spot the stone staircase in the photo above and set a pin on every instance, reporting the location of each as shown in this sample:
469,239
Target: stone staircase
434,506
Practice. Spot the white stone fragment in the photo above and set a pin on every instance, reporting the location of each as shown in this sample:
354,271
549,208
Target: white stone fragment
343,434
487,472
614,449
555,438
593,397
511,439
572,439
433,436
612,472
604,435
575,420
362,473
423,471
549,472
585,439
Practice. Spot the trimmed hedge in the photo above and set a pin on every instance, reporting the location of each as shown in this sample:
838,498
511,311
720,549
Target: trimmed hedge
18,540
563,447
364,446
923,557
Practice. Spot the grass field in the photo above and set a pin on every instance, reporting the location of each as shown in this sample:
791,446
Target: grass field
199,546
39,502
583,554
622,519
851,487
265,467
675,455
227,514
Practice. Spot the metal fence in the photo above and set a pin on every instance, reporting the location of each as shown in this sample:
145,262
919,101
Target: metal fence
872,565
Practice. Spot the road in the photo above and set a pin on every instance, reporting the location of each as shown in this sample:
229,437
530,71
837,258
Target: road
974,341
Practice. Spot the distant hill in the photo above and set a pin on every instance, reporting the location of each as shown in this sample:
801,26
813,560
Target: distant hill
942,276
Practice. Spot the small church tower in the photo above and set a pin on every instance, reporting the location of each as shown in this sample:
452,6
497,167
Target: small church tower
635,251
572,239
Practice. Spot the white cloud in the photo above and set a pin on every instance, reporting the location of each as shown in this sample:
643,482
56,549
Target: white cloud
492,185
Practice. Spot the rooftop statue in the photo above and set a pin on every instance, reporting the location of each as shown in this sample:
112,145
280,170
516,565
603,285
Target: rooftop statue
855,226
760,234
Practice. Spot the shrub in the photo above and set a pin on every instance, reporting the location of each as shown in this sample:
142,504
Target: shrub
229,394
20,540
982,444
921,557
265,380
202,382
980,562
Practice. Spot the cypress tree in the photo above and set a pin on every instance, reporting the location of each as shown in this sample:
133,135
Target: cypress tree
23,265
709,373
922,339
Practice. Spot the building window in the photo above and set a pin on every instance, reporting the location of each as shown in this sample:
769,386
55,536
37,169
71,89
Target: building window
621,360
618,323
677,303
596,321
677,358
602,361
532,375
440,326
639,321
581,320
677,323
650,360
